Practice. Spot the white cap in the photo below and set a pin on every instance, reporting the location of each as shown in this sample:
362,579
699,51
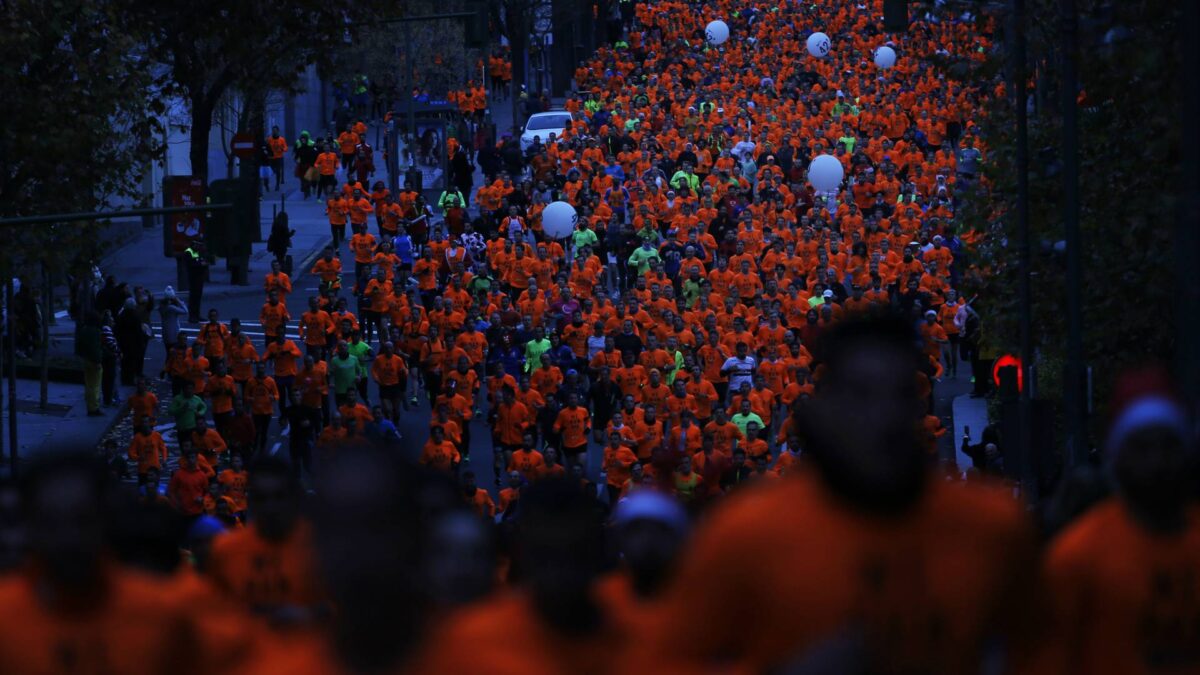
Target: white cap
828,293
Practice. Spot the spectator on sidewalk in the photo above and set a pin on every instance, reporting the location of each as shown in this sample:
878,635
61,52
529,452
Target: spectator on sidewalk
197,273
170,309
88,348
111,351
133,335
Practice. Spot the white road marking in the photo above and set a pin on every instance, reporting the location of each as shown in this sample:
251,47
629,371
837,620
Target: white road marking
274,449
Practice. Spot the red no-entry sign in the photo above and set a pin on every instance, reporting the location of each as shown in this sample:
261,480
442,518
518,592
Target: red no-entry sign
243,146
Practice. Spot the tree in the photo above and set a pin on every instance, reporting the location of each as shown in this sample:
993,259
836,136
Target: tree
441,63
80,124
254,46
1129,157
80,121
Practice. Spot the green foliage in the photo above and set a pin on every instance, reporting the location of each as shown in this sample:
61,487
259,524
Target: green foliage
440,61
78,124
1129,130
211,46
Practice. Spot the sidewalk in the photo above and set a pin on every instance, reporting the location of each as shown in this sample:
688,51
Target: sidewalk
141,263
968,412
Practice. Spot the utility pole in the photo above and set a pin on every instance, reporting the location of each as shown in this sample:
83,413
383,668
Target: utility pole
1025,405
1187,225
1073,382
11,353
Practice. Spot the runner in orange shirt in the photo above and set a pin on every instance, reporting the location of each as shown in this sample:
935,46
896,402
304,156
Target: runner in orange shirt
1121,578
563,628
391,375
881,522
574,425
269,567
73,608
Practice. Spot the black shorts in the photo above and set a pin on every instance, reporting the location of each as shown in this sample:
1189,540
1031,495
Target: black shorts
391,391
327,181
575,451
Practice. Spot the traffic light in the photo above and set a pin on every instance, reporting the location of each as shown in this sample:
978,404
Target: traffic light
895,16
477,34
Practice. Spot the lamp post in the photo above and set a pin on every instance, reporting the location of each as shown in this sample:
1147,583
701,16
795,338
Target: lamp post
1025,405
1073,382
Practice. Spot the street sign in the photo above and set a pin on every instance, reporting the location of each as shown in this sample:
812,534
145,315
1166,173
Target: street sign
243,146
181,229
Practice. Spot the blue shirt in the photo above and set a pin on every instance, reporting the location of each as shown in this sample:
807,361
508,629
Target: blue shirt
403,247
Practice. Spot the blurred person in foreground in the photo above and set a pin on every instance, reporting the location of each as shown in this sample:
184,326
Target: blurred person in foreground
650,530
1124,577
268,566
73,608
863,562
367,536
551,622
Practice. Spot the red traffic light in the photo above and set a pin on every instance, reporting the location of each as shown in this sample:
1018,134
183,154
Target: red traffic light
1009,361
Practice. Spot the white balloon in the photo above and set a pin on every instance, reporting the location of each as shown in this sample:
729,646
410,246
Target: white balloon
559,220
716,32
818,45
885,57
825,173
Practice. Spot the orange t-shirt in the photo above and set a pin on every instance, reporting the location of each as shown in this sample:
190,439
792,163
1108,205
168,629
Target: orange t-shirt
262,395
234,484
1121,597
573,425
387,370
490,626
142,406
284,355
263,574
924,601
440,456
143,624
148,451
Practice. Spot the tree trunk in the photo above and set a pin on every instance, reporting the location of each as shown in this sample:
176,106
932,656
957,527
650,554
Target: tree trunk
202,117
44,366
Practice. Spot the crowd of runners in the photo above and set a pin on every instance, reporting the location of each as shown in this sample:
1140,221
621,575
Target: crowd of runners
715,344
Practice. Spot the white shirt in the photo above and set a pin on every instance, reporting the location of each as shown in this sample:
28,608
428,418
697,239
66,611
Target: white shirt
740,370
595,345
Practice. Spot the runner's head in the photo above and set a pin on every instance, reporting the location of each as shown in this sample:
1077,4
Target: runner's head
863,423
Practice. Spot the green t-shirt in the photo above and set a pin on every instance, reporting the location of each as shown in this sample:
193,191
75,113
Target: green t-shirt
186,410
642,257
533,353
480,283
678,367
584,237
691,292
683,179
850,141
345,371
360,351
743,421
